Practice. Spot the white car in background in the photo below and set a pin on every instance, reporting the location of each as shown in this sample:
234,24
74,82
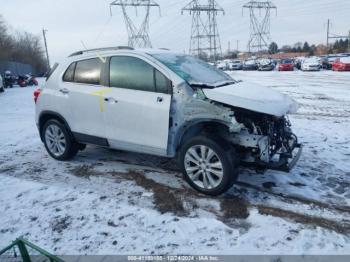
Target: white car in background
311,64
222,65
2,89
235,65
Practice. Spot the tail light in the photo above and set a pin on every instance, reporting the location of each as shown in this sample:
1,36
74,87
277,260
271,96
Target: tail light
36,94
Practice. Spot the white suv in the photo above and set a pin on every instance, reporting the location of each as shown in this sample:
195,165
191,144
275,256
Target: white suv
167,104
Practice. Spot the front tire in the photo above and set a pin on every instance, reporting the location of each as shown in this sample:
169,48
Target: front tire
58,141
208,164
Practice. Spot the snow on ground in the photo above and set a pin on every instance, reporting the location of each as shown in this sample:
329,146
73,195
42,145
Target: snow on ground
113,202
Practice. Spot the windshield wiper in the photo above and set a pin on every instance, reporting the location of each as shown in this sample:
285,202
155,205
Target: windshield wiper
212,86
226,84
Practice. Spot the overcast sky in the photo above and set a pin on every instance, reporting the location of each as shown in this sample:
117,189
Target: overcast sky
70,22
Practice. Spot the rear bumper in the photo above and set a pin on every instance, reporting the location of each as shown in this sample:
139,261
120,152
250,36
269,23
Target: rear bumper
287,163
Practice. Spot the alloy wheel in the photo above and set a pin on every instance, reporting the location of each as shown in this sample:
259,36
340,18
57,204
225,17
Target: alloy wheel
203,166
55,140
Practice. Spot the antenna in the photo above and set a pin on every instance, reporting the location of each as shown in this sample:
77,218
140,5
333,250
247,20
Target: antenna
259,38
205,38
137,37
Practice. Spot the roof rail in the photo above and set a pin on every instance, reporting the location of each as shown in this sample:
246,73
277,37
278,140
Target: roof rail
102,49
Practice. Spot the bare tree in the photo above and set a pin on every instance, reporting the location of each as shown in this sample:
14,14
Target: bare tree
21,47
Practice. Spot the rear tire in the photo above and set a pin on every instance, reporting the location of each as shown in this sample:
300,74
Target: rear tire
58,141
208,164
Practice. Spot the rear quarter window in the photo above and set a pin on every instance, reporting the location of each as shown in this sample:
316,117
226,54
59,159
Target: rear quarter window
88,71
69,74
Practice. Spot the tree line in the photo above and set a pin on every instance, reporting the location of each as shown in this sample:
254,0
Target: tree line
340,46
22,47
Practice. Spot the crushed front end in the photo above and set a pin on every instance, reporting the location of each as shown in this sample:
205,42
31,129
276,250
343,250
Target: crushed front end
266,141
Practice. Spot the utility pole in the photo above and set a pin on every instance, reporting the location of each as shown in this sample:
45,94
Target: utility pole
333,36
138,37
47,53
205,37
259,24
328,23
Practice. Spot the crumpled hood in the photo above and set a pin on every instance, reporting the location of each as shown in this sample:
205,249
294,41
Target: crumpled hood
253,97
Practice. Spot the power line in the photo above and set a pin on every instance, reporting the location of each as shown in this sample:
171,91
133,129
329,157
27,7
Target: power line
259,12
137,37
205,39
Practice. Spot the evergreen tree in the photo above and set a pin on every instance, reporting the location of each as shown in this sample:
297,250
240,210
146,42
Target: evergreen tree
273,48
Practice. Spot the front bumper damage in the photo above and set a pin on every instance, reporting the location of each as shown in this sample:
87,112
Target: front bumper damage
259,156
286,162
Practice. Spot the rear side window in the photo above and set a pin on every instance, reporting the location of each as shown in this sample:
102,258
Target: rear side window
88,71
133,73
69,74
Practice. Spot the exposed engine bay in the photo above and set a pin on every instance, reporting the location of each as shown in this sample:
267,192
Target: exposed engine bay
265,140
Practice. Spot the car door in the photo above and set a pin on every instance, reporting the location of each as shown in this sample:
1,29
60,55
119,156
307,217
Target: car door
81,86
137,107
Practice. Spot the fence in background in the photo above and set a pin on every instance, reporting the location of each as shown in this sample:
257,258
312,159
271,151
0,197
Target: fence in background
16,68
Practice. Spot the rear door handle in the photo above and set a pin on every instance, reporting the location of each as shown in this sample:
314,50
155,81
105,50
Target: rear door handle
64,90
110,99
159,99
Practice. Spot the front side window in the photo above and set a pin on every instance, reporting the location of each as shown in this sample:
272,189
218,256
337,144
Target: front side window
133,73
163,85
88,71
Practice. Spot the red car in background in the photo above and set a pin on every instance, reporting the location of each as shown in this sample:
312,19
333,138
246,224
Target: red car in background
286,65
341,64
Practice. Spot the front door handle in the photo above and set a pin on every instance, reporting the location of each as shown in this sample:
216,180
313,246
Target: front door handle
159,99
64,90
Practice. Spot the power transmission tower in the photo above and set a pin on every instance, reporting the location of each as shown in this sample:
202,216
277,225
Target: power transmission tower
205,39
259,12
137,37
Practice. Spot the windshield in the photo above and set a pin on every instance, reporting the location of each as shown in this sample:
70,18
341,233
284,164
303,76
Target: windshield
193,70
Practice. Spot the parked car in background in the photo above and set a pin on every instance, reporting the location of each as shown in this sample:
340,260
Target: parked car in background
311,64
222,65
235,65
298,61
341,64
250,65
2,88
266,64
286,65
327,61
166,104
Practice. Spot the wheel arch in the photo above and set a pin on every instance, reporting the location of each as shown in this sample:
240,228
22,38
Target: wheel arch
47,115
198,126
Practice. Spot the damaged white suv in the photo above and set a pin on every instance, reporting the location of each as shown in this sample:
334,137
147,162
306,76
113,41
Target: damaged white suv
167,104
